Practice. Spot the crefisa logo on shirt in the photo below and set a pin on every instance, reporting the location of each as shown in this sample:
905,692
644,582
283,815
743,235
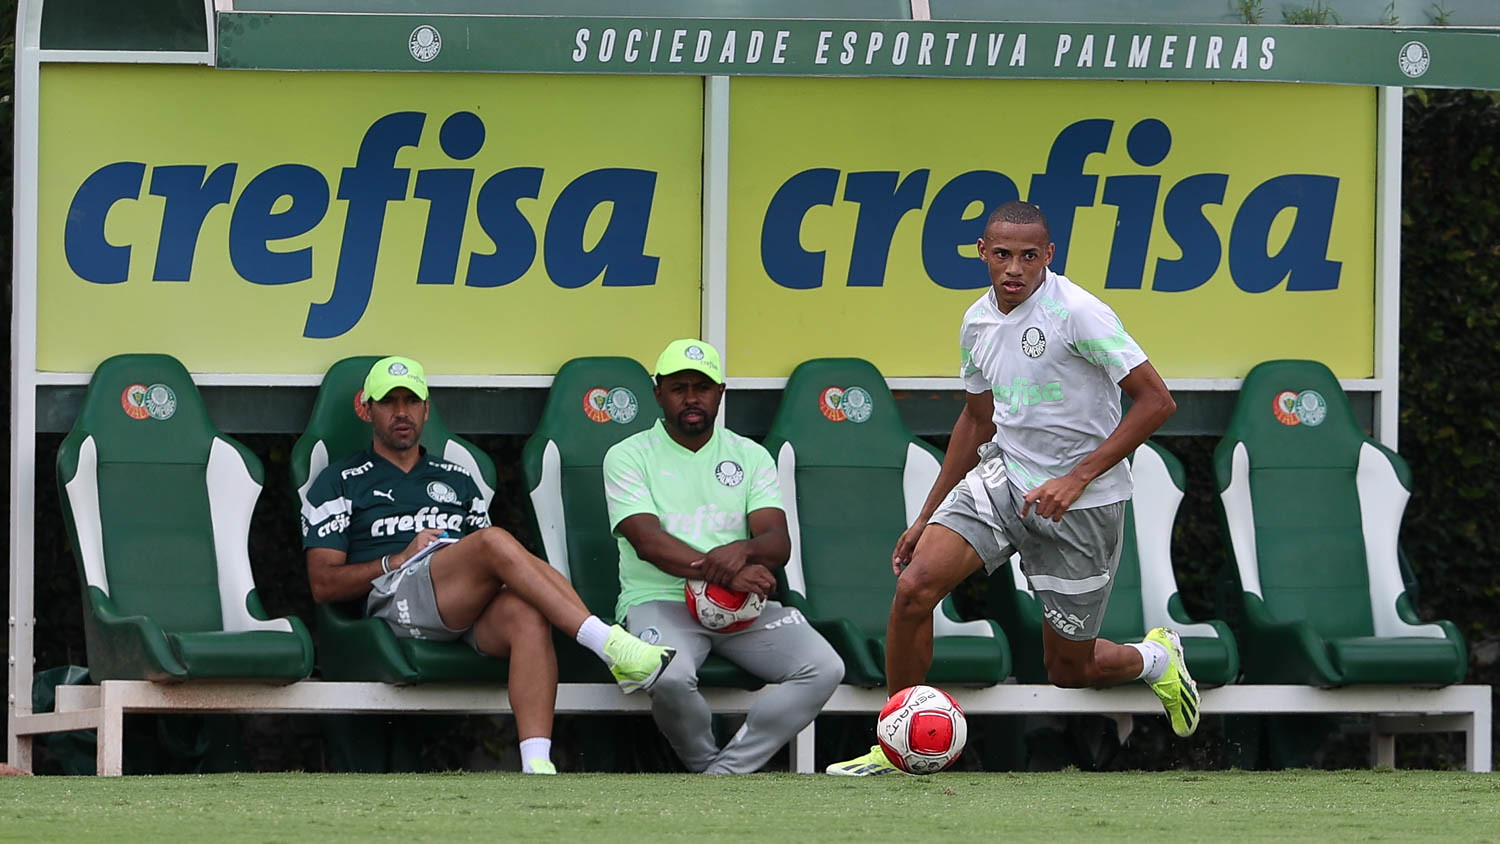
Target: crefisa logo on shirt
729,473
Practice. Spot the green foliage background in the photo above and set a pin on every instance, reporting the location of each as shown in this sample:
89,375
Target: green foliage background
1450,336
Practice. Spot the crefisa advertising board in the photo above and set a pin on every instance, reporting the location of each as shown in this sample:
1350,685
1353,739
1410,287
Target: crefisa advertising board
275,222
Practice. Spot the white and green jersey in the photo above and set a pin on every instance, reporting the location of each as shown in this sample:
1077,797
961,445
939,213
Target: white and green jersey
1054,364
366,506
702,497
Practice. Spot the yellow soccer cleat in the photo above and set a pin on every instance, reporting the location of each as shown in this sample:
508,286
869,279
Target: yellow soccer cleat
872,764
634,664
1176,688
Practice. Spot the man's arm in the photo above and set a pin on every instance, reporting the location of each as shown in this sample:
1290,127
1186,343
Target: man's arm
333,580
653,544
974,427
1151,404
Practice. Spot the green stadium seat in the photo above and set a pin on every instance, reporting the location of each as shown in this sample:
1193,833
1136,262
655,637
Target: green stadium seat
854,478
1145,591
157,505
1311,510
350,646
594,403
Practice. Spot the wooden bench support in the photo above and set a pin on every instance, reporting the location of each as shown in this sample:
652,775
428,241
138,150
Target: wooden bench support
1397,709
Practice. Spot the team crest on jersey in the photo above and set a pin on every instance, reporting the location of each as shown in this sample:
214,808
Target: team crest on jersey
1033,342
729,473
441,493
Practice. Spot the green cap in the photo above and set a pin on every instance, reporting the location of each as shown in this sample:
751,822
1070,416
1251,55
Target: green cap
389,373
691,354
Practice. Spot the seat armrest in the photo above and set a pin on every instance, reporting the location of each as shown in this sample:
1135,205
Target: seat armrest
1283,651
127,647
860,667
353,648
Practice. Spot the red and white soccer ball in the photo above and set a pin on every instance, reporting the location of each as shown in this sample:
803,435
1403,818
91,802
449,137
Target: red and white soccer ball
721,609
922,730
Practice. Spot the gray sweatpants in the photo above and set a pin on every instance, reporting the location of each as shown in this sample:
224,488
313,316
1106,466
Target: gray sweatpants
781,647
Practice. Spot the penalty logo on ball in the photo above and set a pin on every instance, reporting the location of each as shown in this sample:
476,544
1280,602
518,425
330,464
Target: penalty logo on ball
922,730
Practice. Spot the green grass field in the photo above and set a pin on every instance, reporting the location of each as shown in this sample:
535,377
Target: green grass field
1178,806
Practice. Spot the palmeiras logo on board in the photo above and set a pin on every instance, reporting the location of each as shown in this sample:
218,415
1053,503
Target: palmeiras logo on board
1033,342
425,43
1414,59
729,473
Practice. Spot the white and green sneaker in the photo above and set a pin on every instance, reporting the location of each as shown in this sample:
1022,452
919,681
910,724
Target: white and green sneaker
1176,689
634,664
872,764
541,766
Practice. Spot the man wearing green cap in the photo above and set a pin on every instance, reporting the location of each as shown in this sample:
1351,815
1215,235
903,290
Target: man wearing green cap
409,533
689,500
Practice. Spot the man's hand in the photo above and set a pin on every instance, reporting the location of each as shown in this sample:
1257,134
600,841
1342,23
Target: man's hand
905,545
423,539
721,564
754,578
1054,497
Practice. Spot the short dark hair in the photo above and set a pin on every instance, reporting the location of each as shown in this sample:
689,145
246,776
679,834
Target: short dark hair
1021,213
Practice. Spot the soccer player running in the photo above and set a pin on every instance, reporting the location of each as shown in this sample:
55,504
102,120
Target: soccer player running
367,521
690,500
1036,464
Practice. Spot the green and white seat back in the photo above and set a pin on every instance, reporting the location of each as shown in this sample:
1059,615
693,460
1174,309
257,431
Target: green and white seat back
1312,509
594,403
1144,594
854,477
157,505
350,646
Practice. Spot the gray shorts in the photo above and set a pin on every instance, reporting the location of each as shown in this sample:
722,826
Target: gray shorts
1070,564
405,600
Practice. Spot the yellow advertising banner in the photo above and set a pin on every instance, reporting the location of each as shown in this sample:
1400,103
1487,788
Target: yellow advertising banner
1225,223
276,222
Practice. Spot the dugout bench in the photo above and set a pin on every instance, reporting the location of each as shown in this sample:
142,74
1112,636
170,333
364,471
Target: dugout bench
1396,709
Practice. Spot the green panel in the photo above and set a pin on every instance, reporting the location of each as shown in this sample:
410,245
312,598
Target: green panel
876,9
593,552
1124,11
159,544
924,49
850,519
1347,12
152,25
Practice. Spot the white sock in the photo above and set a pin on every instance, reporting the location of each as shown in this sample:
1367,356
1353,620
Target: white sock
592,634
1153,660
535,749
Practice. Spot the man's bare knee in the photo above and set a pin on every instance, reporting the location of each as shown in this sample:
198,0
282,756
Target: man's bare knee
502,549
915,597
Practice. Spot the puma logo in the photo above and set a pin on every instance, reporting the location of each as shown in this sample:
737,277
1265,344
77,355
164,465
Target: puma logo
386,495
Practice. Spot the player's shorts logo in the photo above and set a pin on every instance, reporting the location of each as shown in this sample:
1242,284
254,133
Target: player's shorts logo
441,493
729,473
161,402
1414,59
425,43
133,400
650,636
1033,342
1305,408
